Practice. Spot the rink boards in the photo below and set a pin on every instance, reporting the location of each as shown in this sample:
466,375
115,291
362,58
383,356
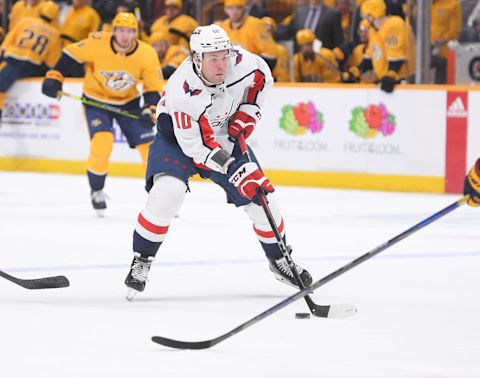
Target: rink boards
420,138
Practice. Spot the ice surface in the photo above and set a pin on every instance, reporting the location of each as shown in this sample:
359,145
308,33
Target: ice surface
418,303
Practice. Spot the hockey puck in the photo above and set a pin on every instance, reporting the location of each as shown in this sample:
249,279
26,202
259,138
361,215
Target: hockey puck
302,315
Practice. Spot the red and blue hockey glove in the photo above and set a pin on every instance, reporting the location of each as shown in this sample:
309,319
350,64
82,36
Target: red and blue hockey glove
243,121
472,185
52,84
248,179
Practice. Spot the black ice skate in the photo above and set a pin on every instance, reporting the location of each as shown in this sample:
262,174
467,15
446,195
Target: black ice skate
137,277
283,273
99,202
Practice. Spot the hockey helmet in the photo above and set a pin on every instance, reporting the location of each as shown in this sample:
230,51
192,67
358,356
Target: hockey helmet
268,21
235,3
159,36
173,3
125,20
49,10
207,39
373,8
304,36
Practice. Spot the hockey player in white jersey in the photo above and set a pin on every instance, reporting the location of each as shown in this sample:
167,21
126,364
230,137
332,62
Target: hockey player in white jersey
212,98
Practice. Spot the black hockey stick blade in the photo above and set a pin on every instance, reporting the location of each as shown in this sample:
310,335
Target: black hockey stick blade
321,282
55,282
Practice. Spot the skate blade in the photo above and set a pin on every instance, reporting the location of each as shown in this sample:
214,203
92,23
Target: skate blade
287,282
100,213
131,294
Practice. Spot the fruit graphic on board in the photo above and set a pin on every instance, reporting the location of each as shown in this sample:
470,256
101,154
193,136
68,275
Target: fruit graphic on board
300,118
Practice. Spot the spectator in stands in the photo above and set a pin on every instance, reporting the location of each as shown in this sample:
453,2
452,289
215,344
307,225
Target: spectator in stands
248,32
324,21
281,72
391,45
356,58
255,8
80,21
314,66
24,8
299,4
178,26
445,26
344,8
170,56
31,46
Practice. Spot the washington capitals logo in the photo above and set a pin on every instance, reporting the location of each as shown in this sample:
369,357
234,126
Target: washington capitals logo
190,91
238,56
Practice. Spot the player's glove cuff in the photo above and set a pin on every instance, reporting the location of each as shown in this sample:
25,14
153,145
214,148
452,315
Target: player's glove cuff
472,185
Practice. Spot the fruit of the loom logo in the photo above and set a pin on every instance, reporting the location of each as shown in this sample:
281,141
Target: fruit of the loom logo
296,120
368,122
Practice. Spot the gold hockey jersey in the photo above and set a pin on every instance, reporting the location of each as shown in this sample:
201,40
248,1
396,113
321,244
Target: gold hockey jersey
111,76
180,27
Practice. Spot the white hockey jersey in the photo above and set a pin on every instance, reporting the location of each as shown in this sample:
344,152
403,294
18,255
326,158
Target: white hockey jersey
200,113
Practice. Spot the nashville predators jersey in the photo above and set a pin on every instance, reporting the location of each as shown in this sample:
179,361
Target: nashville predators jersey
252,35
112,76
79,23
389,44
33,40
322,67
174,56
281,71
21,9
179,29
446,22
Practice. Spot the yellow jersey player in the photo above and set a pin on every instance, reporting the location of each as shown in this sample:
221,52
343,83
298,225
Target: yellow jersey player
24,8
80,21
249,32
30,46
471,186
115,63
178,26
170,56
390,45
281,72
310,66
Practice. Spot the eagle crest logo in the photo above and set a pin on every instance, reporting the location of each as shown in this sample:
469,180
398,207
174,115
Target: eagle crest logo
191,91
119,81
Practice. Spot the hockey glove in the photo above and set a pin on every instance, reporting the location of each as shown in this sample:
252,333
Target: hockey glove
147,115
472,185
388,82
249,179
52,84
243,121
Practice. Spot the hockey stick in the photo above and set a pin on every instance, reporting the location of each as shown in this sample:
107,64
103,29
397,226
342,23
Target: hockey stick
322,311
359,260
38,283
99,105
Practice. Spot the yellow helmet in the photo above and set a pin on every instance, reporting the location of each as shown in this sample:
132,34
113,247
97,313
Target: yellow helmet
304,36
159,36
125,20
374,8
49,10
235,3
175,3
270,22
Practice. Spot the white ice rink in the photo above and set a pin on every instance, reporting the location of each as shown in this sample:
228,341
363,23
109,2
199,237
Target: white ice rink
418,302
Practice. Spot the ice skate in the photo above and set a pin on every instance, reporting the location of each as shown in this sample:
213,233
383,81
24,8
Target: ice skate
99,202
283,273
137,276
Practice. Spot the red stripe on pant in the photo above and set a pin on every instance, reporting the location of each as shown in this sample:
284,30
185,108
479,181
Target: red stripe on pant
269,234
153,228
